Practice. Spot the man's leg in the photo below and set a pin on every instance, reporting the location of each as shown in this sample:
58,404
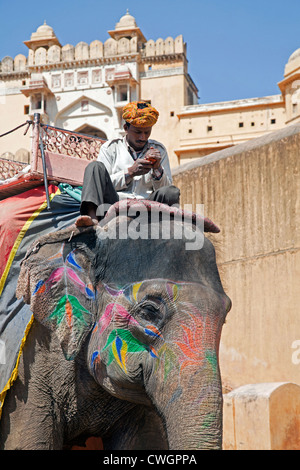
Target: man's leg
167,195
97,190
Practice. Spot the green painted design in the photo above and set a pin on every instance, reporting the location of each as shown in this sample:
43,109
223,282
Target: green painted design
211,358
209,420
168,359
67,309
133,345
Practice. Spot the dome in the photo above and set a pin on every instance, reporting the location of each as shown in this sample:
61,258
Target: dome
127,21
127,28
45,29
295,55
44,37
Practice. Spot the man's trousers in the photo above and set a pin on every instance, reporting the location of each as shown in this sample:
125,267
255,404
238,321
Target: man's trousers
99,190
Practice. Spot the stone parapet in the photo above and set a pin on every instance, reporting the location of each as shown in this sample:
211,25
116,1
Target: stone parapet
264,416
251,191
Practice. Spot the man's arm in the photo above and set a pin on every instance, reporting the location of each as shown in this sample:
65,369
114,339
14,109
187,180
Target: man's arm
118,179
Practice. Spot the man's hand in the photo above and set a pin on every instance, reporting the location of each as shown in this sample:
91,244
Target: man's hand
140,167
153,154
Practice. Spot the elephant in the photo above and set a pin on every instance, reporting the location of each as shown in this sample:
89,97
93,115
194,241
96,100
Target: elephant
124,342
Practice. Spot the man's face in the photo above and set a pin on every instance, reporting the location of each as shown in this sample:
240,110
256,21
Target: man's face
137,137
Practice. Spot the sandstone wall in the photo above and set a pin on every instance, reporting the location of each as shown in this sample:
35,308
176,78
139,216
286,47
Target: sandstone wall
251,192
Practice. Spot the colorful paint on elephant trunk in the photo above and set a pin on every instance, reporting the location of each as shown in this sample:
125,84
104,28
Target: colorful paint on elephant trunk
122,331
120,341
193,345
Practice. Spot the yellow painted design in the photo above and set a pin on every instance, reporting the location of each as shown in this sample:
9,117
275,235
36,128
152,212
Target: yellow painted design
119,349
175,292
135,289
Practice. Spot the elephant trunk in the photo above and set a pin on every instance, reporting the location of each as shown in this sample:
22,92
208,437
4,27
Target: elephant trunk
196,423
188,390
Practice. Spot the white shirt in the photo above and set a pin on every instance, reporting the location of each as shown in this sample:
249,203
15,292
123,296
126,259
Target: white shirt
118,156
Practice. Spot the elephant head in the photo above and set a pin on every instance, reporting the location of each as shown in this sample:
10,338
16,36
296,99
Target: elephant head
148,315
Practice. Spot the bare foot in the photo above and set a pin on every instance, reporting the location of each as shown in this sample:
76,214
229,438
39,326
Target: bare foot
85,221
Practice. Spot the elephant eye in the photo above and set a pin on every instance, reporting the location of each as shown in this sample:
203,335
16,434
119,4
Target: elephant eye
152,310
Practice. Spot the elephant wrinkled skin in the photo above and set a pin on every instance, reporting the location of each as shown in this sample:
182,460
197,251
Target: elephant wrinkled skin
124,344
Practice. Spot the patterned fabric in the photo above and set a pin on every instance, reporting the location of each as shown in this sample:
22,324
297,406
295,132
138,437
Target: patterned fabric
23,218
140,114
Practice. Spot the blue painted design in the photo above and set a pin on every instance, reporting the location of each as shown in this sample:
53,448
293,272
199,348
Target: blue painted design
37,287
94,357
119,344
71,260
89,293
152,352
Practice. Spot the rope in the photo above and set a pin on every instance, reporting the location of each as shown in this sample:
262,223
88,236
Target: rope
12,130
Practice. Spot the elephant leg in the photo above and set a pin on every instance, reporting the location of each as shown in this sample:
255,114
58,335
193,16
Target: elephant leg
31,418
25,429
140,429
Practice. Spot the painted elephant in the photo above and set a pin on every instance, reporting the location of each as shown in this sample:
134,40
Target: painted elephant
124,344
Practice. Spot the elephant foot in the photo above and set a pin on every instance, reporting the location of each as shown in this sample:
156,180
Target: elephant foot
85,221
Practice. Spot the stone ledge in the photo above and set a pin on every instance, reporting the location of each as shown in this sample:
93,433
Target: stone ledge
263,416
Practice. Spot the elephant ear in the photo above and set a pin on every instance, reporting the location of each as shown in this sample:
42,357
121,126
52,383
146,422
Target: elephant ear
57,280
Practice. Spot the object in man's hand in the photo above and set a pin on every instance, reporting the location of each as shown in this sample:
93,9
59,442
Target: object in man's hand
151,159
152,155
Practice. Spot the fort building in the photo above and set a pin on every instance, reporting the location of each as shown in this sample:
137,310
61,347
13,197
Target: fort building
206,128
83,88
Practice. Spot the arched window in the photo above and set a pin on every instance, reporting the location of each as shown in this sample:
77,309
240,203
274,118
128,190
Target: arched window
91,130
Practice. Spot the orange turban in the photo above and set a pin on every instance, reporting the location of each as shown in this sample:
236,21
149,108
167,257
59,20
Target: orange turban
140,114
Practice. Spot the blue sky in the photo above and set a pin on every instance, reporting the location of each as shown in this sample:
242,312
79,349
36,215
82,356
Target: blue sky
236,49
